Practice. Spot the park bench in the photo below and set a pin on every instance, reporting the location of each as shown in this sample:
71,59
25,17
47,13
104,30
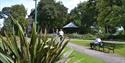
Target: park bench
105,46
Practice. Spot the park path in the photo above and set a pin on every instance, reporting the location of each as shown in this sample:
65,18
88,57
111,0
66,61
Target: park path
108,58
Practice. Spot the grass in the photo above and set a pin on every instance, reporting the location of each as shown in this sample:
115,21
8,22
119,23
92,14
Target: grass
81,42
120,49
77,57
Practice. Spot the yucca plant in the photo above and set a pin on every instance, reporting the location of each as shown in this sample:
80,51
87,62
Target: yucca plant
37,49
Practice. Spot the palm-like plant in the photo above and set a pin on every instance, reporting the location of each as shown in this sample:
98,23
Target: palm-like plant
37,49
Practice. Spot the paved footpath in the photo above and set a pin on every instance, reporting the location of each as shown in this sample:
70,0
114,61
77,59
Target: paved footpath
108,58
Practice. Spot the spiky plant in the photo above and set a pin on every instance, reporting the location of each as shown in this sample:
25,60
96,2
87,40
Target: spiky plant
37,49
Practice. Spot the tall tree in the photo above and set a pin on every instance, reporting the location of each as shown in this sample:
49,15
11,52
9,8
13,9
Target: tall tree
18,12
110,14
123,14
51,14
85,15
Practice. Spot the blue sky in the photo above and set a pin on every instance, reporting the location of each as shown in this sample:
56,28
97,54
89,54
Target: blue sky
29,4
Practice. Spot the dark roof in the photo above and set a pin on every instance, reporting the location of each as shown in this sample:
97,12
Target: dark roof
32,12
70,25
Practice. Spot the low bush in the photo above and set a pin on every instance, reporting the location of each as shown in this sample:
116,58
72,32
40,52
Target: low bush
104,36
89,36
81,36
74,36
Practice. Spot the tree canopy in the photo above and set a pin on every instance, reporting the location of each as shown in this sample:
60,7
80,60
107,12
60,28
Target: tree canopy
103,15
110,13
51,14
85,15
18,12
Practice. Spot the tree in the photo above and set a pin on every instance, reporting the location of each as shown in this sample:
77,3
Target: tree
110,14
123,14
85,15
51,14
18,12
7,22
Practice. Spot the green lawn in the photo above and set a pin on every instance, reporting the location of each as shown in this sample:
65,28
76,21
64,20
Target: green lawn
120,49
81,42
77,57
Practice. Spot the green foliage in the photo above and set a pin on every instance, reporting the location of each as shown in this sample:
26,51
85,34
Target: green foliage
85,15
104,36
37,49
83,36
103,15
51,14
18,12
111,13
89,36
74,35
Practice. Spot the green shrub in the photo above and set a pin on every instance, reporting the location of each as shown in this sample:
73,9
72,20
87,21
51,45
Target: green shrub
108,36
82,36
74,35
37,49
121,36
104,36
89,36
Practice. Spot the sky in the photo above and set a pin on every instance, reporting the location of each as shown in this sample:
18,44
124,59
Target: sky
30,4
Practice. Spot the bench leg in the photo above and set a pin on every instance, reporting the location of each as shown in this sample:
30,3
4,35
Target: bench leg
103,49
95,47
92,45
108,50
99,48
113,50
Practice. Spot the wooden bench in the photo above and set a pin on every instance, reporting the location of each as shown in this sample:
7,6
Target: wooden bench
103,45
108,46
